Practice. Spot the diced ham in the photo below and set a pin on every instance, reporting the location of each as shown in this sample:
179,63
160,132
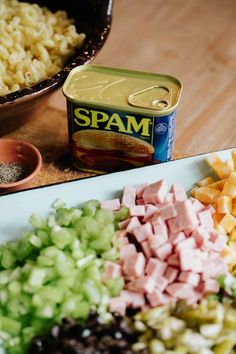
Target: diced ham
112,270
140,201
173,260
155,267
127,251
155,192
133,223
187,244
205,218
146,249
140,189
189,278
144,284
129,196
137,210
157,219
200,234
179,290
155,241
197,205
142,232
117,305
177,237
179,192
171,274
163,251
150,211
134,265
133,299
161,283
170,198
113,204
157,298
168,211
174,224
188,260
124,223
160,230
209,286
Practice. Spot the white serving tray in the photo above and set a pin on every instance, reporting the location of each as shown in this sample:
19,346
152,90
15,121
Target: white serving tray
15,208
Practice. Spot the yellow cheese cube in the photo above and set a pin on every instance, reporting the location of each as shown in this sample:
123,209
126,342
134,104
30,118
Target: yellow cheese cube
230,186
192,192
205,182
222,170
224,204
218,185
213,159
228,222
234,158
232,235
233,211
207,195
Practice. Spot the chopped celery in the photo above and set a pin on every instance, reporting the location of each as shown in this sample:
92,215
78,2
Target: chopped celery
55,270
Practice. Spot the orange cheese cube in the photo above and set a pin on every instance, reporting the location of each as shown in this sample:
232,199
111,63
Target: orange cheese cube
213,159
230,186
233,211
234,158
232,235
192,192
205,182
222,170
228,222
207,195
218,185
224,204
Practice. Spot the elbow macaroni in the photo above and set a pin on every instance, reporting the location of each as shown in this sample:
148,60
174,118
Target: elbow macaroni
34,44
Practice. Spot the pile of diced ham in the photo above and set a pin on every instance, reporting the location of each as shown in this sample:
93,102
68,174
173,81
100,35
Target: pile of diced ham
169,248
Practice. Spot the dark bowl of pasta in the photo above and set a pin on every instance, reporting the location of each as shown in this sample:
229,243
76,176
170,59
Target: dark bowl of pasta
41,42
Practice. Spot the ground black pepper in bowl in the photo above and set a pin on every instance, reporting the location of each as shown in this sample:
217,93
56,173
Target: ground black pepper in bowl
116,337
12,172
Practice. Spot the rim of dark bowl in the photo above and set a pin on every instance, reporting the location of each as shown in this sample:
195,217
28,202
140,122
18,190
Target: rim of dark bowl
93,43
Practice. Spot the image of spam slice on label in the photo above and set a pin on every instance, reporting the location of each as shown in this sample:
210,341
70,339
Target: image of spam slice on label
103,150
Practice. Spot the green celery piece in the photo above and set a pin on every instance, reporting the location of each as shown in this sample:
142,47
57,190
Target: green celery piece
61,237
15,287
115,286
10,325
48,294
44,237
35,241
4,277
37,277
122,214
89,208
46,311
93,272
91,292
111,255
37,222
8,258
64,265
87,228
104,216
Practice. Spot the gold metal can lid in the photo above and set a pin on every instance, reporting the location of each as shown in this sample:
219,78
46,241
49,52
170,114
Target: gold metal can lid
122,89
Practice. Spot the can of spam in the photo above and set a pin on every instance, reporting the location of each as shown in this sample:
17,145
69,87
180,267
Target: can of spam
120,119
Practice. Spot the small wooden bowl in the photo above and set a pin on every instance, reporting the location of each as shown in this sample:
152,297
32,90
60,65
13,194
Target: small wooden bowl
24,153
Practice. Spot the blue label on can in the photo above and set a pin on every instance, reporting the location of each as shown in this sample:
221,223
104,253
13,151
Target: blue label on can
105,140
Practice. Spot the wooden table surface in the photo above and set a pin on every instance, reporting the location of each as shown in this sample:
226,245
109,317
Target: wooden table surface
193,40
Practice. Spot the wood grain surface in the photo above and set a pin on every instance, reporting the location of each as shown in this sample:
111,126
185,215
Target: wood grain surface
193,40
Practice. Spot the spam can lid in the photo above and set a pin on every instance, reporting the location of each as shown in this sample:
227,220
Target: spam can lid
123,89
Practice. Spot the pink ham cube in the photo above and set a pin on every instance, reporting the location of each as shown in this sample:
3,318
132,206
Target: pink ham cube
117,305
157,298
142,232
197,205
179,192
179,290
205,218
150,211
144,285
137,210
163,251
155,267
171,274
127,251
173,260
200,234
168,211
140,189
112,270
133,299
160,230
134,265
189,278
113,204
177,237
129,196
133,223
146,249
155,192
